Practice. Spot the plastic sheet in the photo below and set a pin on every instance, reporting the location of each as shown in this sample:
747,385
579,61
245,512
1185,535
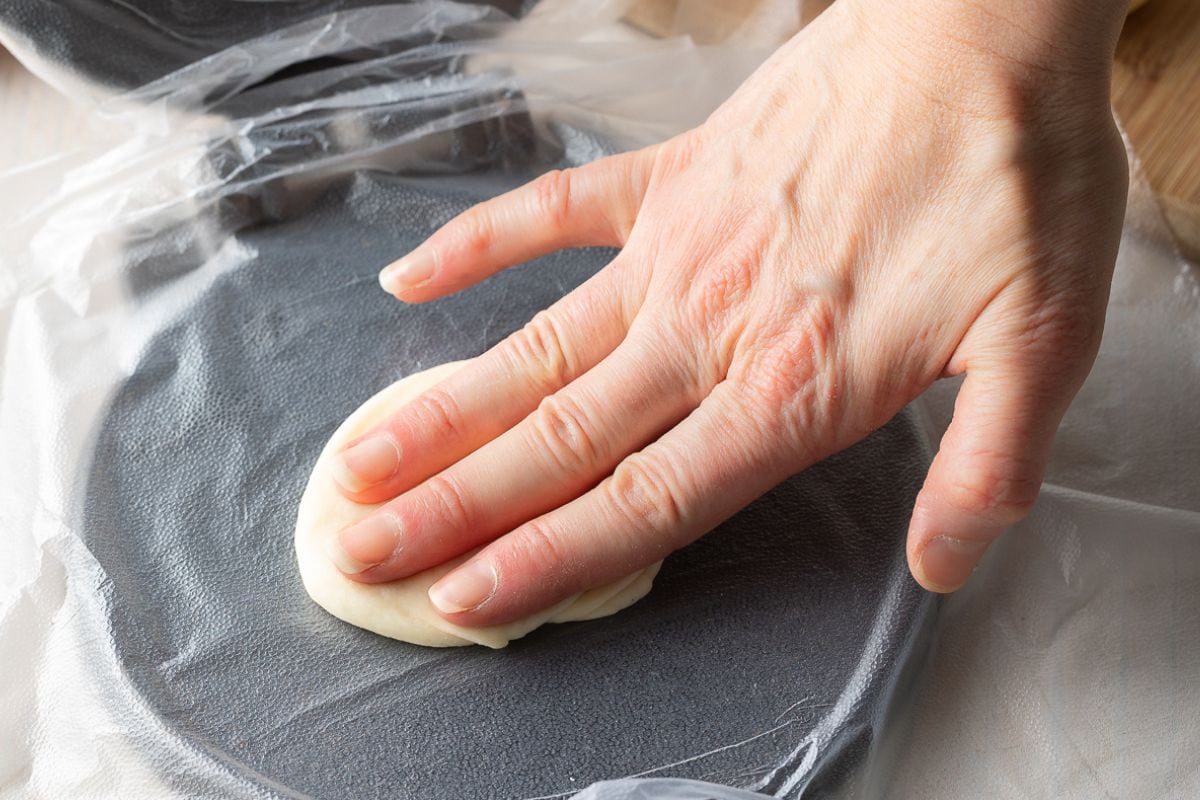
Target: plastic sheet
196,309
189,312
1070,667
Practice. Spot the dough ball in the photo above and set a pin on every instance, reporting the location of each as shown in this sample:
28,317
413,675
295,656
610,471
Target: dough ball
401,609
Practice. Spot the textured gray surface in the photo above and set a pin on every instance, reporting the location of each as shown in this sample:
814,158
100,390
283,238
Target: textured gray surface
762,625
764,656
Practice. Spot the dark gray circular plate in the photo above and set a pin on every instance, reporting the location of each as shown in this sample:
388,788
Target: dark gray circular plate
792,620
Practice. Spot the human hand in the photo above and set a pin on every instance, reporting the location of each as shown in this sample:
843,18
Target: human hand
903,192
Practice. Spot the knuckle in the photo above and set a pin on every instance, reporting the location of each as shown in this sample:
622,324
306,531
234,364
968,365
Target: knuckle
539,347
439,414
999,492
540,550
644,493
552,197
561,427
799,375
790,390
719,289
475,232
778,383
448,501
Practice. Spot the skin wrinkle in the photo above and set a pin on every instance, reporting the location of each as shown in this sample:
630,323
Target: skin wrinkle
560,428
552,198
903,191
700,372
540,351
718,288
782,376
475,242
438,411
643,490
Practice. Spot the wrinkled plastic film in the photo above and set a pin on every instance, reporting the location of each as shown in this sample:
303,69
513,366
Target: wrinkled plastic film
172,307
1070,665
191,310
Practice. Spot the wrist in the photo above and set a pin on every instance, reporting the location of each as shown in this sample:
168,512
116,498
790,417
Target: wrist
1054,49
1042,33
1048,33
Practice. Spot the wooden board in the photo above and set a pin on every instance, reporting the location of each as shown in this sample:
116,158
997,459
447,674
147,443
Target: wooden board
1156,92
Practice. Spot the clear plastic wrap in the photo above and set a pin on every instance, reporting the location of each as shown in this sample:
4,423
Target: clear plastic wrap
1070,666
188,308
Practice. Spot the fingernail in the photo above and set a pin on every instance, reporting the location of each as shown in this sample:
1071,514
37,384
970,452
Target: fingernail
371,461
414,270
947,562
365,544
467,588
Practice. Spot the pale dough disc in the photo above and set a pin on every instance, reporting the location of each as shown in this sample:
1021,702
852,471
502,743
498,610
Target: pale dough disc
401,609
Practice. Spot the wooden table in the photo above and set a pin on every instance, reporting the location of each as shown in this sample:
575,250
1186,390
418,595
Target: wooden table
1156,92
1156,89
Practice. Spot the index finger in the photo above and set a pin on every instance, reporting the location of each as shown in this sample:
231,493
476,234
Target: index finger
489,395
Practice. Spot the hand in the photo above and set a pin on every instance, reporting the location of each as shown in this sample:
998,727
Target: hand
904,191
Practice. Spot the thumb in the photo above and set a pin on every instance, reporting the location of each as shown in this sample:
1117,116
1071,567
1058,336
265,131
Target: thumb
988,470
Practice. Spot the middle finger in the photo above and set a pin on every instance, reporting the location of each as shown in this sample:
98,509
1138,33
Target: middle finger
572,440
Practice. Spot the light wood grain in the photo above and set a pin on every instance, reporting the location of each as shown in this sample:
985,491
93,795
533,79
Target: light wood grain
1156,92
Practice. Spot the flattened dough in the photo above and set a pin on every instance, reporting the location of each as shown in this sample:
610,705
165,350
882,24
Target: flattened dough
401,609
